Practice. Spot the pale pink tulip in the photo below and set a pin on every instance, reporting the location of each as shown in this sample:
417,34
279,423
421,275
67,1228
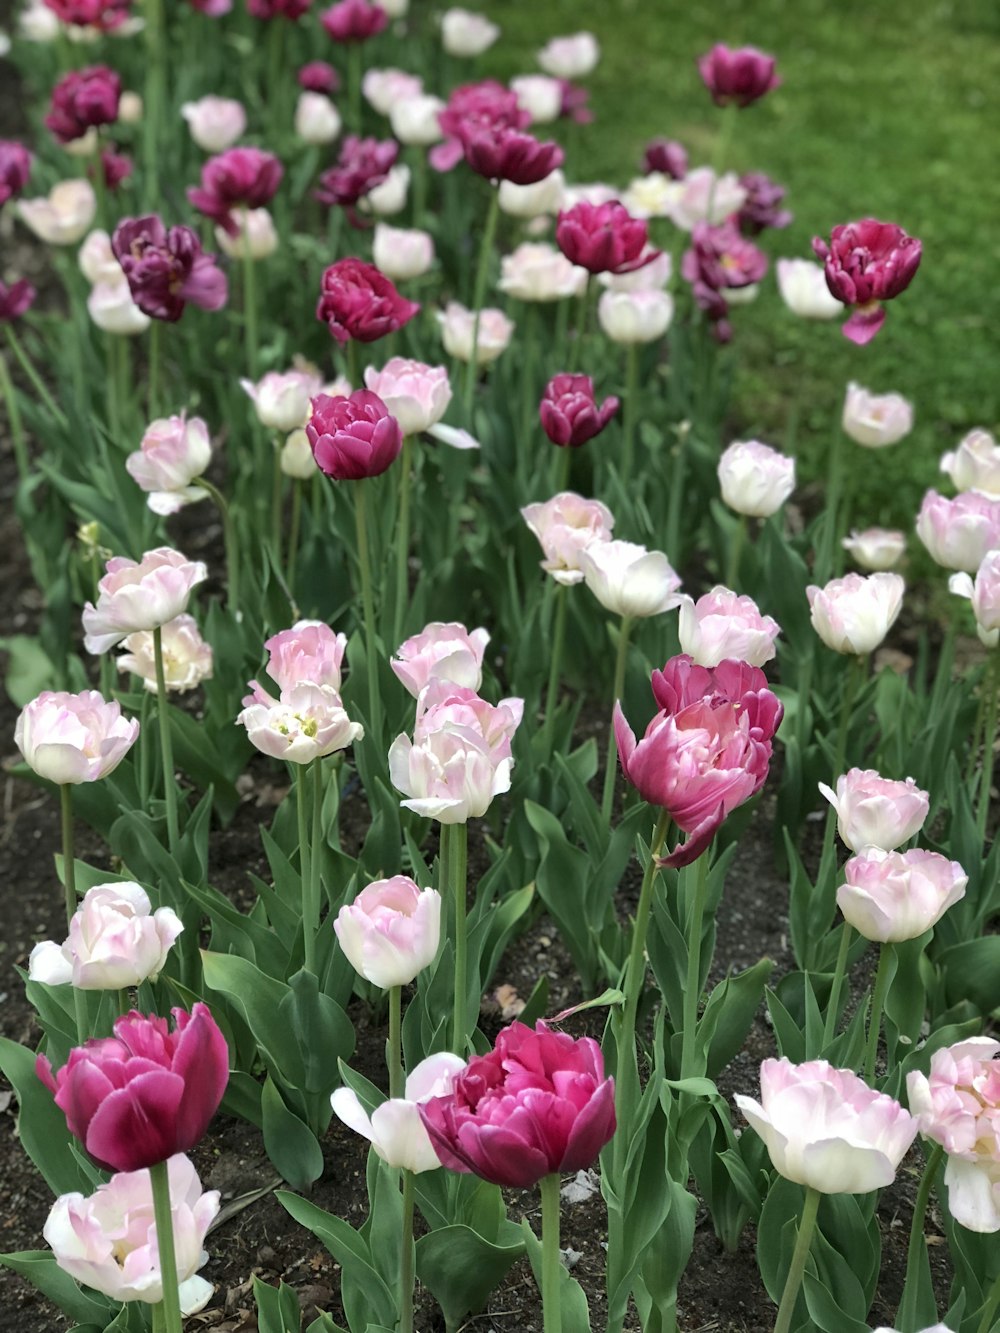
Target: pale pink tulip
256,236
629,580
465,34
876,548
565,526
135,595
72,738
173,453
540,95
722,624
414,120
391,931
755,479
873,811
635,316
112,309
296,459
536,271
458,324
959,533
571,57
543,199
705,196
97,260
62,216
984,595
855,613
975,464
317,120
402,253
394,1128
441,652
803,289
417,395
215,123
654,195
307,654
187,658
282,400
876,419
306,723
649,276
894,896
383,87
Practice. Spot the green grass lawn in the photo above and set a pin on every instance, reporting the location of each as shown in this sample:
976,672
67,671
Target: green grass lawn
885,110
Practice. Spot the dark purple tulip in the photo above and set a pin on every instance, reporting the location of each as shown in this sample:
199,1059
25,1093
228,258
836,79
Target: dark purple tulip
362,164
569,412
762,207
485,105
117,167
574,105
603,238
103,14
502,154
319,77
213,8
83,98
15,299
166,269
274,9
237,178
354,20
353,438
666,156
742,76
720,257
15,168
865,263
358,301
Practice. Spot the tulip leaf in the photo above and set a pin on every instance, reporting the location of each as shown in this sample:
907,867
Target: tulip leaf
729,1012
277,1307
257,998
41,1125
460,1269
42,1271
572,1299
290,1143
665,1259
972,972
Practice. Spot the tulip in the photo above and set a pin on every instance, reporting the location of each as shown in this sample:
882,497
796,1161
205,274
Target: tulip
81,99
137,1098
651,196
319,76
654,275
635,316
706,196
73,738
667,157
166,269
458,326
394,1129
742,75
894,896
115,940
984,594
572,57
565,527
537,1104
187,658
465,34
722,624
539,272
602,238
354,20
15,169
362,165
975,464
215,123
544,197
139,594
401,253
173,453
353,437
876,420
131,108
272,9
317,120
539,95
15,300
485,106
503,154
762,207
460,755
108,1241
629,580
873,811
706,752
855,613
308,722
307,654
63,216
957,1106
720,261
803,289
296,458
569,412
755,480
441,651
283,399
357,301
866,263
959,533
876,548
382,88
414,120
213,8
240,178
826,1129
391,931
390,196
415,394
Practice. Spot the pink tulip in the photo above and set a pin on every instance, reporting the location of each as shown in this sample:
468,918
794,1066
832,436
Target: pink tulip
15,299
307,722
630,580
115,940
240,178
896,896
571,57
362,165
307,654
391,931
876,548
460,756
417,395
81,99
143,594
441,652
707,751
353,437
187,658
826,1129
353,20
357,301
173,453
73,738
866,263
538,1103
873,811
959,533
394,1129
603,238
876,420
146,1093
107,1240
473,106
958,1106
741,74
215,123
722,624
855,613
984,595
975,464
565,526
282,399
539,272
569,411
15,169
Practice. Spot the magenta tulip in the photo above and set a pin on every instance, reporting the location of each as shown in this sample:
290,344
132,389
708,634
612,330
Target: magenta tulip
83,98
667,157
105,15
743,75
362,165
866,263
237,178
475,106
762,207
15,299
504,154
569,411
604,238
358,301
354,20
15,168
319,76
352,438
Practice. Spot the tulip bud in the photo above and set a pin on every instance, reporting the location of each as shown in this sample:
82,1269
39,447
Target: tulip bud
636,316
629,580
876,420
402,253
130,108
394,1129
724,625
975,464
441,652
890,897
215,123
873,811
457,325
73,738
391,931
855,613
755,480
569,412
173,453
353,437
283,400
741,75
959,533
876,548
317,120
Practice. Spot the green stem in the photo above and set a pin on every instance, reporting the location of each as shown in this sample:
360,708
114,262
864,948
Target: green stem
878,1004
316,860
163,1217
166,744
393,1048
249,294
111,388
158,1324
293,537
692,990
722,147
852,679
917,1249
839,972
16,425
555,664
354,86
155,337
402,544
529,402
807,1225
608,797
407,1258
305,870
124,1002
582,312
229,540
629,411
419,160
153,114
826,557
551,1258
277,496
454,851
478,296
69,885
368,606
989,744
987,1323
563,464
735,552
25,362
636,970
678,472
100,187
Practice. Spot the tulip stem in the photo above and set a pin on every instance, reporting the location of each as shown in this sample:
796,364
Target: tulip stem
827,858
402,544
582,311
277,496
607,799
529,406
305,871
628,411
478,296
69,885
839,972
454,849
735,552
368,607
990,1308
393,1046
677,478
354,88
807,1225
229,540
882,976
989,743
551,1258
407,1257
636,969
249,296
155,334
163,1217
316,861
906,1315
16,425
293,537
166,744
153,111
25,362
692,990
555,665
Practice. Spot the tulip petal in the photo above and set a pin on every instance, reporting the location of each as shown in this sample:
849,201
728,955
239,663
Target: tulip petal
863,325
135,1126
698,840
973,1197
592,1128
835,1166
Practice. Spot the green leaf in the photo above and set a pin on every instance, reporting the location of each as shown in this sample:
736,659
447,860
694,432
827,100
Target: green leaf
573,1305
41,1124
42,1271
729,1013
460,1269
277,1307
258,998
291,1145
